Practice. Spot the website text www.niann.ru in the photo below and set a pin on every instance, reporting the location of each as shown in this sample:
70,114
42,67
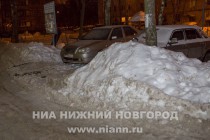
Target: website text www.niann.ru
105,129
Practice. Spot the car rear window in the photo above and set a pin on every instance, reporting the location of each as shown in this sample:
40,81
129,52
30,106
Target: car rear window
97,34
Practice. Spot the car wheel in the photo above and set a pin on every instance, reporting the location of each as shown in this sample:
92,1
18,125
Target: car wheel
207,56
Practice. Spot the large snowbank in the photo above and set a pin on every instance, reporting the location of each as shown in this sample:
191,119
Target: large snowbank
132,76
171,72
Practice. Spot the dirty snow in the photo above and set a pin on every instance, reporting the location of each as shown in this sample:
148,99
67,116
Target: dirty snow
37,52
127,76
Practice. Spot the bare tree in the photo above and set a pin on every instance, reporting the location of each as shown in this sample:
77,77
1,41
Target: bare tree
81,5
176,9
107,6
150,22
13,5
160,16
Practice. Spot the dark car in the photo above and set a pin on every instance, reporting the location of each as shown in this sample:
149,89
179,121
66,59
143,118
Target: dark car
99,38
190,40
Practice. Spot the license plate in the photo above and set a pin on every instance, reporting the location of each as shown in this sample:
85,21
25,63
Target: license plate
69,55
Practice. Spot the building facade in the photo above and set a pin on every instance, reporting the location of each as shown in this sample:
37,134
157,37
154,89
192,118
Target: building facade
188,12
121,10
31,14
175,11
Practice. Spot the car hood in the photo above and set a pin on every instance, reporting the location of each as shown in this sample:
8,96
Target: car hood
85,43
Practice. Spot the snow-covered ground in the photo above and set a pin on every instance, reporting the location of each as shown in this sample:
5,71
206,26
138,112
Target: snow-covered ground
125,77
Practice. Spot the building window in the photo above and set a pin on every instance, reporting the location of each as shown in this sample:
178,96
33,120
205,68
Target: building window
28,24
192,3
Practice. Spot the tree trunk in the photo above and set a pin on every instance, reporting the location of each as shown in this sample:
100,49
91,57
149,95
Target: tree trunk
14,15
160,16
150,23
82,16
107,11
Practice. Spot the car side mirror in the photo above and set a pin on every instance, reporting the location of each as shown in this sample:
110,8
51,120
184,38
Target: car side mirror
173,41
114,37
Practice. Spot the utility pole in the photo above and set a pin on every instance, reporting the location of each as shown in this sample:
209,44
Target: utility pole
14,15
150,23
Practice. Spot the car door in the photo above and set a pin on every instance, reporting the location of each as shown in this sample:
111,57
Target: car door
180,45
194,43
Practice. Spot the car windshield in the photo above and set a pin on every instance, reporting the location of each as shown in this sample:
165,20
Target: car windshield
97,34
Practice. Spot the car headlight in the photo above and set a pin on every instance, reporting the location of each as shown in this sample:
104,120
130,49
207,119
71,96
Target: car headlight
84,50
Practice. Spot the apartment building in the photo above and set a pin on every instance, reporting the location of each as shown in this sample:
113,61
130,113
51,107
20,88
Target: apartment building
175,12
29,14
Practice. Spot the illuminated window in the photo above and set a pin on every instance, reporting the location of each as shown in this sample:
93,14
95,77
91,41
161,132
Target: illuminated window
123,19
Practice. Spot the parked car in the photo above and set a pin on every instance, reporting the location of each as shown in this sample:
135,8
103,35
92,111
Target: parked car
87,47
190,40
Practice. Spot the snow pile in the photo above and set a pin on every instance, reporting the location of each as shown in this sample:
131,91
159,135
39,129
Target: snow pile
116,73
38,52
17,54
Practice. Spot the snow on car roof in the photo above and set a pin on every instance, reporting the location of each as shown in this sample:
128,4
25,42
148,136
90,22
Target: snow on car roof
172,27
111,26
